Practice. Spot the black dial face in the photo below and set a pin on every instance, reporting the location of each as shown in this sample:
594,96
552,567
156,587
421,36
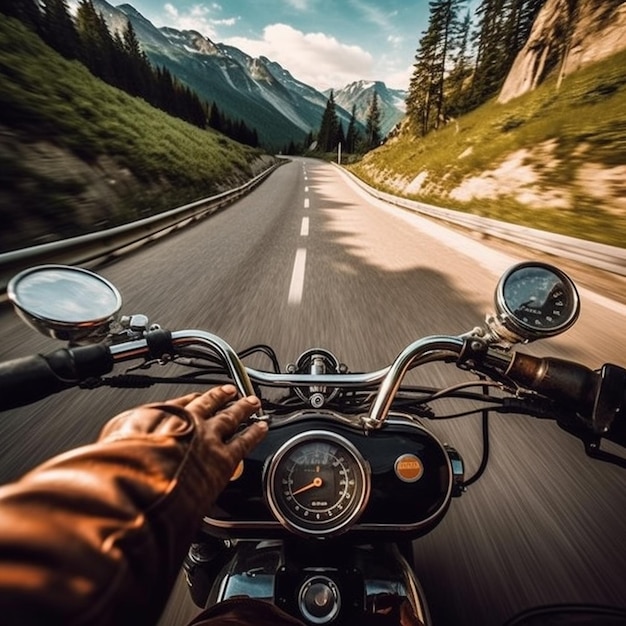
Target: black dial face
538,300
317,483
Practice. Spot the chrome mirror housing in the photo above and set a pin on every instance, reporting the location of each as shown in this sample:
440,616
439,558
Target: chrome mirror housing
63,302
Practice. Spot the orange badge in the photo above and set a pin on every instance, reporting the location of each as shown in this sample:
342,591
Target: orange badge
408,468
238,471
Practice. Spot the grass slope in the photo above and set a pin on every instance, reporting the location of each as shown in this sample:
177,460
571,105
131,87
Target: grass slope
583,121
46,97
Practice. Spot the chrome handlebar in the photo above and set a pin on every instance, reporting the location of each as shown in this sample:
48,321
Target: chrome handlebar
425,350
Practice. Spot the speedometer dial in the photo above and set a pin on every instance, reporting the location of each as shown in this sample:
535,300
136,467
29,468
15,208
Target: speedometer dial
317,483
536,300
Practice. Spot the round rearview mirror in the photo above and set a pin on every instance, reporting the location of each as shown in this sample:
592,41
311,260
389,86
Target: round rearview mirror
63,302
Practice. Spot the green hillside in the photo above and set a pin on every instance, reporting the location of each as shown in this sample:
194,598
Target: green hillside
48,101
570,140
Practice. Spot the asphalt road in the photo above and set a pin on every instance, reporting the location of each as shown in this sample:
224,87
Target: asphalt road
306,261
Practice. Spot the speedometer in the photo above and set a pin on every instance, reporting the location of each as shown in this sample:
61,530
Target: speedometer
317,483
536,300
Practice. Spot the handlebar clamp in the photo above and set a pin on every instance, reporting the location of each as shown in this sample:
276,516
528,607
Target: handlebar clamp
473,351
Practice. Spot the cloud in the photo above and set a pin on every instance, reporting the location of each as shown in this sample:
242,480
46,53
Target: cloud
229,21
399,79
316,59
374,14
299,5
199,18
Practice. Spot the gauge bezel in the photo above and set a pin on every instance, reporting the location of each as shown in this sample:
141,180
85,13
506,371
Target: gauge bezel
327,528
518,330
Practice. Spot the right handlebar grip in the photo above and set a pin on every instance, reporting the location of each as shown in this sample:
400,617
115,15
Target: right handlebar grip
28,379
563,381
599,397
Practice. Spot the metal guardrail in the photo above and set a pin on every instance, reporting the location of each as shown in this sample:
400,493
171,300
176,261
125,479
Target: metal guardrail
85,248
89,247
610,258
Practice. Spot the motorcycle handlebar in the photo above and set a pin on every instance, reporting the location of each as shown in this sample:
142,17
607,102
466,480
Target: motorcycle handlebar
597,397
32,378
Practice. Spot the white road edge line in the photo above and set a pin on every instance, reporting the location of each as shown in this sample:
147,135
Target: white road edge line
304,230
297,277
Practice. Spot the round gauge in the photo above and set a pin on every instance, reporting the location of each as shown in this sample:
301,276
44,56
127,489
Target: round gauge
536,300
317,483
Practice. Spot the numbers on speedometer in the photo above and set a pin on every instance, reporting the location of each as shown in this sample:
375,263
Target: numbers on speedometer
317,483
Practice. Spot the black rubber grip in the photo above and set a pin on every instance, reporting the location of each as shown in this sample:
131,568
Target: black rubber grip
599,397
563,381
32,378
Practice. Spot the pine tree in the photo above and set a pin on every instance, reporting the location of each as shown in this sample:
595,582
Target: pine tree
528,13
372,122
215,118
97,47
131,43
490,50
57,28
27,11
138,69
327,135
503,29
419,100
308,142
435,59
461,70
445,21
352,134
341,137
521,17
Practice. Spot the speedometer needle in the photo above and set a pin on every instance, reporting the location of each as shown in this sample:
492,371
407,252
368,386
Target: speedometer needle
316,482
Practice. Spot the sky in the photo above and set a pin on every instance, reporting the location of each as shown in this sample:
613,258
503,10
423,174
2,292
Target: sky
323,43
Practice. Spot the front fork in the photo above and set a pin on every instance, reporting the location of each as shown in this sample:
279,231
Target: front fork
319,584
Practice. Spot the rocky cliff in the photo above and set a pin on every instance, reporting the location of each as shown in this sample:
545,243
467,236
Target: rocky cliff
567,35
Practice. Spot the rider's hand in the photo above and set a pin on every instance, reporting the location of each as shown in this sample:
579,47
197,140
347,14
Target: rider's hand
97,535
220,442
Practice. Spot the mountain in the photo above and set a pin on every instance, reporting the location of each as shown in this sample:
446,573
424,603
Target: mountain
568,35
257,90
391,102
260,92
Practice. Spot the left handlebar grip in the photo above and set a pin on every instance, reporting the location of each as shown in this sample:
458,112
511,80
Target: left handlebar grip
26,380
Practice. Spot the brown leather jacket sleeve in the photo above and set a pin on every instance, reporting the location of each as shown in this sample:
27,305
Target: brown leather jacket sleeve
97,535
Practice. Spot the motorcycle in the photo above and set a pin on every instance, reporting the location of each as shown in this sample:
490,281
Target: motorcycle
320,518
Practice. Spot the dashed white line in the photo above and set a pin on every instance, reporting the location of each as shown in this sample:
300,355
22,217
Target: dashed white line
297,277
306,190
306,203
304,230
